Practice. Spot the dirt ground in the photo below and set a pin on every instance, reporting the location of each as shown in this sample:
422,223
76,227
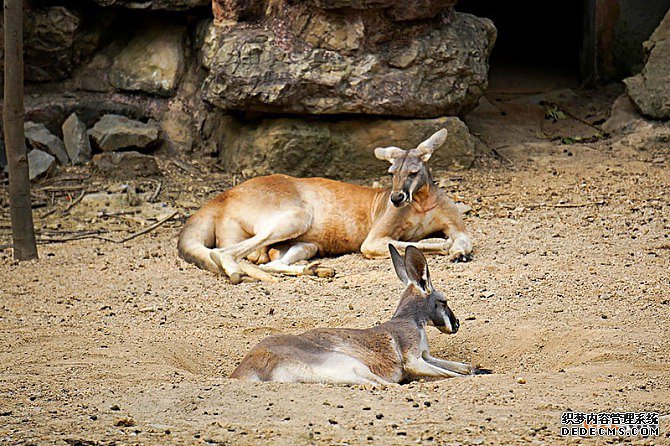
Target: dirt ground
566,300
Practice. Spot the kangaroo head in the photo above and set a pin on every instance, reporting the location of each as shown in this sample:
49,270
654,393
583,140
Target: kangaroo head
408,167
413,271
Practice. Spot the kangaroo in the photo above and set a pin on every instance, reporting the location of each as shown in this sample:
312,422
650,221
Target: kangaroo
277,220
389,353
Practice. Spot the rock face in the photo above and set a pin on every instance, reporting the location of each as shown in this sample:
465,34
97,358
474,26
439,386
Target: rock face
397,11
39,137
153,61
115,132
339,150
126,164
76,140
650,90
328,62
167,5
56,40
39,163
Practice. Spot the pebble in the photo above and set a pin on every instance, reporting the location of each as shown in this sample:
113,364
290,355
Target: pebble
125,422
521,380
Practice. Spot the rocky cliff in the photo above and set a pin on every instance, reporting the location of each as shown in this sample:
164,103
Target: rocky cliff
259,83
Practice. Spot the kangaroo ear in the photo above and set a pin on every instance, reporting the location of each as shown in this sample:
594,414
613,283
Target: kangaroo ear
417,268
389,153
425,149
398,264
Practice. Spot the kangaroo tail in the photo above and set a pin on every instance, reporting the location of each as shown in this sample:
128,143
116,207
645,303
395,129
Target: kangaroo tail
196,240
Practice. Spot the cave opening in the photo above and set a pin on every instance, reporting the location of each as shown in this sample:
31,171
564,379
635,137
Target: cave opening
539,46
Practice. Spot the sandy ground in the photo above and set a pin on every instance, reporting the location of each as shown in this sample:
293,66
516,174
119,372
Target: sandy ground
568,290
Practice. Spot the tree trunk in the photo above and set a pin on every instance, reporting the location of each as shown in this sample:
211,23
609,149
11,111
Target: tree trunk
23,233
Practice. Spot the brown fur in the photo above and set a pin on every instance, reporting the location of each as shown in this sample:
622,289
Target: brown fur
387,353
262,218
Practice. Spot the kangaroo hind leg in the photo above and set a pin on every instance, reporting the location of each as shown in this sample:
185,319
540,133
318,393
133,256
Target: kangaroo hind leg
289,254
282,226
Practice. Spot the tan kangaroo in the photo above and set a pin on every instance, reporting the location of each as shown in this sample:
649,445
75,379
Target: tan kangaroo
392,352
277,220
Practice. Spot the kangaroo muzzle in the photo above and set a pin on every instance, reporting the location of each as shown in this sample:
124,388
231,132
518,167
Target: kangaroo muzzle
398,198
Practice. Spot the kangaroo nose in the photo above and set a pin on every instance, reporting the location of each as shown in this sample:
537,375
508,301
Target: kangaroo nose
456,325
397,198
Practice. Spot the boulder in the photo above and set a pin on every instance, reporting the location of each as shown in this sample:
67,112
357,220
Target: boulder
238,9
178,126
650,90
115,132
623,116
399,11
56,40
39,137
166,5
39,163
241,10
76,140
341,149
126,165
152,62
441,71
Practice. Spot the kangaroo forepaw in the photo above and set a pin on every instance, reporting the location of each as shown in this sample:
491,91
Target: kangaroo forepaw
461,250
460,257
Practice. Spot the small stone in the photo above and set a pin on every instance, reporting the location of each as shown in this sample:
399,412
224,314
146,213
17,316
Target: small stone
125,422
521,380
114,407
324,272
659,160
76,140
39,163
115,132
39,137
126,164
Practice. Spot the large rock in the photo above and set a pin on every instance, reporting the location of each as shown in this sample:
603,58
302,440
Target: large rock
442,71
126,165
341,149
76,140
167,5
56,40
650,90
238,9
115,132
152,62
39,163
396,10
39,137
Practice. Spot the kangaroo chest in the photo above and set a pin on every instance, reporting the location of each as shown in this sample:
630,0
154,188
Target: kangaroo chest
415,226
